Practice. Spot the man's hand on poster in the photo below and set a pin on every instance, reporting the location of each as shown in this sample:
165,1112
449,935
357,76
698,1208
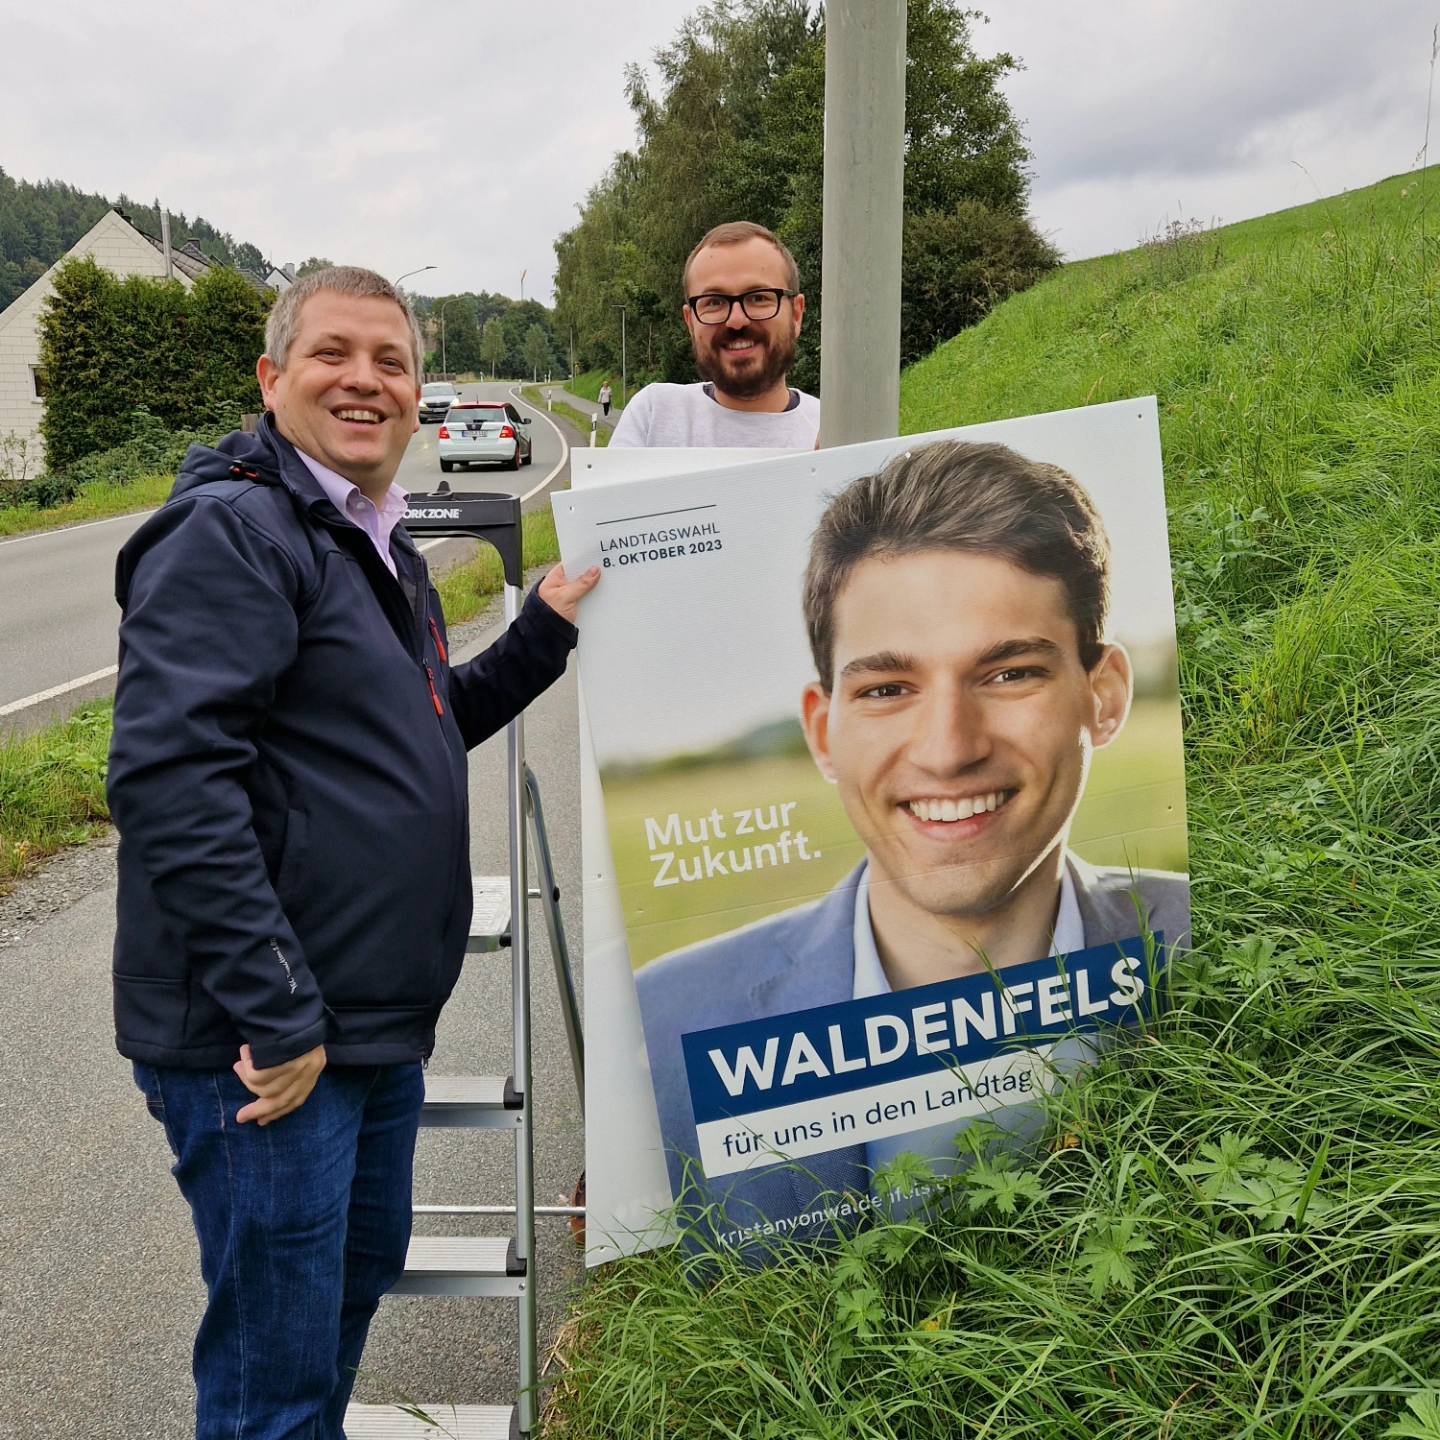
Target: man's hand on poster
281,1088
564,595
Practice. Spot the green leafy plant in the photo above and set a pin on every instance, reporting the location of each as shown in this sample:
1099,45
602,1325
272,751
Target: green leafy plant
1423,1422
997,1184
1108,1256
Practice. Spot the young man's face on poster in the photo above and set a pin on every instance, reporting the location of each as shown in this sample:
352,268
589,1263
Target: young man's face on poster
959,726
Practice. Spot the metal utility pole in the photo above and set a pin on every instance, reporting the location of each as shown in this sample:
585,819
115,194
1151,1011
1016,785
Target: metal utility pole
864,191
624,392
165,243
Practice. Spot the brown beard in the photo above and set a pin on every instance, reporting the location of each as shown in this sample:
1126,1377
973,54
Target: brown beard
779,356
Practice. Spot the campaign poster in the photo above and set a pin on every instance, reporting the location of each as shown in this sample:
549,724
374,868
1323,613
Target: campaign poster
885,826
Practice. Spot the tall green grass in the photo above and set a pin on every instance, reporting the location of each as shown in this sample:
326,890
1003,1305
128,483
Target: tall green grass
587,386
466,589
52,789
1233,1227
97,501
578,420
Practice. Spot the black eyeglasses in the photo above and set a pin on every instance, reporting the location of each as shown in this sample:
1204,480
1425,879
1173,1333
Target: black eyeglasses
755,304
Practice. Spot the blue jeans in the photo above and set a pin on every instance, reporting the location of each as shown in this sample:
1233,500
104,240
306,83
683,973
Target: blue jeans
303,1226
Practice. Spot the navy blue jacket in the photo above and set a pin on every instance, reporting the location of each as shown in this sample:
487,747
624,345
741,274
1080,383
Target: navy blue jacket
288,773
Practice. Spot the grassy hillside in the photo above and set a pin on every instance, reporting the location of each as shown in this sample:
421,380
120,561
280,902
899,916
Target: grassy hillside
1234,1228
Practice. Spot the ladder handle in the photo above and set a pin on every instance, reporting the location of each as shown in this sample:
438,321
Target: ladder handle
555,925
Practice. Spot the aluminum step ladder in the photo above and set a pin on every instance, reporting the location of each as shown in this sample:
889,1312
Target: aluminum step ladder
491,1266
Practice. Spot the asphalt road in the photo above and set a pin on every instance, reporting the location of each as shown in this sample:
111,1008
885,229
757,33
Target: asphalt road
57,608
99,1282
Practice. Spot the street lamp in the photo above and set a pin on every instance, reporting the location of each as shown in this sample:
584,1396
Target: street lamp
624,390
409,273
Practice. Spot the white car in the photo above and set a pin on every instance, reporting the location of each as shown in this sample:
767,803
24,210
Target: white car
476,432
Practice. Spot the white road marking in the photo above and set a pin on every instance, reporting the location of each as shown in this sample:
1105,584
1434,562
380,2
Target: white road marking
71,529
40,697
56,690
564,445
424,445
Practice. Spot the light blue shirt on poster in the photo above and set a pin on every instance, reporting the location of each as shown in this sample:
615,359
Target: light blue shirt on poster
937,1143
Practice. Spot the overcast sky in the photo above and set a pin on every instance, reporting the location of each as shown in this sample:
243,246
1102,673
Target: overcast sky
464,134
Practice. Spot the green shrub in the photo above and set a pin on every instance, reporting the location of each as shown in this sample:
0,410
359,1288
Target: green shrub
110,346
961,263
17,460
148,449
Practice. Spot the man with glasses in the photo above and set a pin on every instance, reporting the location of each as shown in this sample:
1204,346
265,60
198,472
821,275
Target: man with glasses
743,309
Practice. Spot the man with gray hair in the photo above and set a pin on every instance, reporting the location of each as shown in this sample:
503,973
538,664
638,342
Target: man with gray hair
288,776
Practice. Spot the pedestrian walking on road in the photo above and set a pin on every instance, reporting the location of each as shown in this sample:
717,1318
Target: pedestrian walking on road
605,394
288,776
744,311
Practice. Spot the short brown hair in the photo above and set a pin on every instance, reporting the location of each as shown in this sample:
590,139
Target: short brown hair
981,499
734,232
283,323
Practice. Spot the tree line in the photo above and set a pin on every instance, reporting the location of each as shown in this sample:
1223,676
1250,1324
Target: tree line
733,128
40,221
488,333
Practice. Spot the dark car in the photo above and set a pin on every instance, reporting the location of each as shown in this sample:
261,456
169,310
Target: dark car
435,399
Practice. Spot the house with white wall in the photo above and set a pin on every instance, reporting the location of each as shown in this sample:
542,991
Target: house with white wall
122,249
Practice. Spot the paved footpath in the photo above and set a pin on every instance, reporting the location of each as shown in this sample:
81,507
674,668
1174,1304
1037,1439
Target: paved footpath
99,1279
587,407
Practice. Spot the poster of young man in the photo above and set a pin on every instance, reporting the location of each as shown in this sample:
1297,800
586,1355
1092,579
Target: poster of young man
888,741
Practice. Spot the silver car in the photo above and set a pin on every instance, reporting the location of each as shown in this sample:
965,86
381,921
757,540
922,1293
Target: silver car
435,399
476,432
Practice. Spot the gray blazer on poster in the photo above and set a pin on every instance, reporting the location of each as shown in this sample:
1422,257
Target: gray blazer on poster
803,958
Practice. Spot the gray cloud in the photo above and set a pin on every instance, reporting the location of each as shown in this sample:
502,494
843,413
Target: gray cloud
454,134
463,135
1140,108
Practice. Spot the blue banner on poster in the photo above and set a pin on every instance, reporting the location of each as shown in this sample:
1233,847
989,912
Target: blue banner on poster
821,1054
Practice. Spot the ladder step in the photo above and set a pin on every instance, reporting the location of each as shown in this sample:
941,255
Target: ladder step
484,1265
456,1422
472,1102
490,919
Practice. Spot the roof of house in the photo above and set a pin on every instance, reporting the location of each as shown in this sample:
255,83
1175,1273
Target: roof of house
256,280
189,259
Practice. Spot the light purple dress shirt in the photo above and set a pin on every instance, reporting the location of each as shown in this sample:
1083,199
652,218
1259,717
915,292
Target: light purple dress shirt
376,521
